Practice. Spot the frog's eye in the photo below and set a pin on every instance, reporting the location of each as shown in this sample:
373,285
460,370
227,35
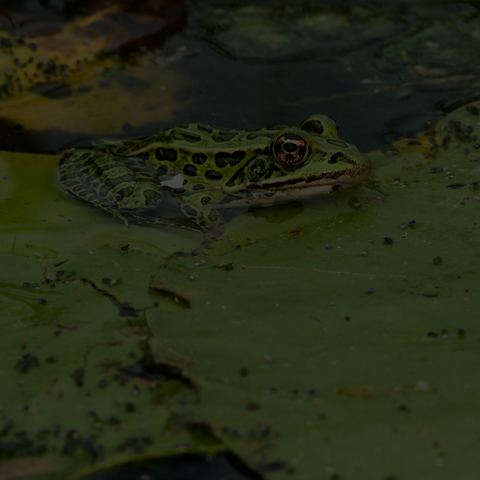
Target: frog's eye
313,126
321,125
290,149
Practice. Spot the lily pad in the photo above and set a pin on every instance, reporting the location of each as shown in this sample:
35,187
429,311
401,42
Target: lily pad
329,340
349,347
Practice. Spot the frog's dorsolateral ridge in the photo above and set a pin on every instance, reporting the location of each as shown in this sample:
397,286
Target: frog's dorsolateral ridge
202,170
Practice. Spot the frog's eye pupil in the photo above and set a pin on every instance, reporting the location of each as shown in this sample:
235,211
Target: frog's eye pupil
290,147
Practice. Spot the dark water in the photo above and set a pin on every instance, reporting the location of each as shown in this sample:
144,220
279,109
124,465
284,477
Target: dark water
382,69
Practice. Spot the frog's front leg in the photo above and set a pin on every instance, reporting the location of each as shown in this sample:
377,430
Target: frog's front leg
201,207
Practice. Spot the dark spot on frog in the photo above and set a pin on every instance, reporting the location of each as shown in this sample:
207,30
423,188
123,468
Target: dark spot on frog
162,170
178,191
213,175
190,170
191,212
205,200
199,186
213,216
199,158
226,200
239,176
260,151
336,157
267,186
168,154
259,169
313,126
223,137
185,136
204,129
222,159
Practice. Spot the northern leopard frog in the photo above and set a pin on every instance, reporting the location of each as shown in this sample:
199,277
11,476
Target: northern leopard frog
202,171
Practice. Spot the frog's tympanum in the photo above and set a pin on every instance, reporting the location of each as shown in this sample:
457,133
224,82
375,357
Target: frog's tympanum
202,171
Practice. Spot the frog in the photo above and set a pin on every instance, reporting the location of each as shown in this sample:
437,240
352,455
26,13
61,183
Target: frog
205,171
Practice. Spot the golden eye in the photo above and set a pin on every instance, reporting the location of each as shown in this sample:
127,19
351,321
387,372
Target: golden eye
290,149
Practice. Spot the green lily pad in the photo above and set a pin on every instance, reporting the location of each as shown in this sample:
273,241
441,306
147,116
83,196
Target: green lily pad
328,340
346,346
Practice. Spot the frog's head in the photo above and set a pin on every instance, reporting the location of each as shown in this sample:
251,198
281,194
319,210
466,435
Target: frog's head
306,161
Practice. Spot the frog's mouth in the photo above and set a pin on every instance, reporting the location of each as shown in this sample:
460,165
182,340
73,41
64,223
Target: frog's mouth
277,191
297,189
314,184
